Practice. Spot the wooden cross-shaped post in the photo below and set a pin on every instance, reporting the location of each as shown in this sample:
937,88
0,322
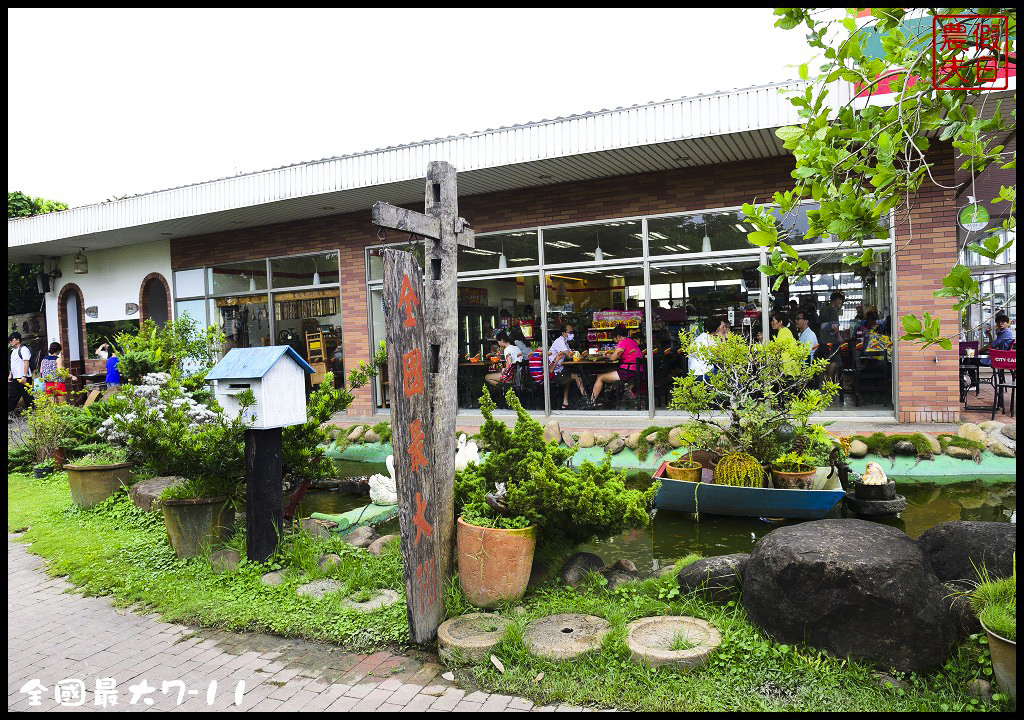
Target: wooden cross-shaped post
422,336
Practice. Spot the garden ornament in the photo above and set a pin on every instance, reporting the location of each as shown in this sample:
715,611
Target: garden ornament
383,488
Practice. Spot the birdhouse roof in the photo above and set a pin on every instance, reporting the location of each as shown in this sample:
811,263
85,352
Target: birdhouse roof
253,362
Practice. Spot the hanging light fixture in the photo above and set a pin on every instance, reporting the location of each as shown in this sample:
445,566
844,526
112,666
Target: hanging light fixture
598,255
316,277
252,284
81,263
502,260
706,247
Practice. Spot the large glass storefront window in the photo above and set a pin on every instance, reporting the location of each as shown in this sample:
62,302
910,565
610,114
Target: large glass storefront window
501,251
245,321
602,242
718,231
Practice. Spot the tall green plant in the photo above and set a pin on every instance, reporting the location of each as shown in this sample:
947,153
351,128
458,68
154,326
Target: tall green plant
755,388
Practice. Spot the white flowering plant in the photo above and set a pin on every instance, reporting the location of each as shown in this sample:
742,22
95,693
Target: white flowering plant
169,432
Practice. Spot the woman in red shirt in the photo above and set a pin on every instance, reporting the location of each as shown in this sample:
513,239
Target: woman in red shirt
628,352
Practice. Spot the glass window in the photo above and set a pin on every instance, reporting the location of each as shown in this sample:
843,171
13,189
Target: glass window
310,322
196,310
695,296
486,306
304,270
379,334
504,250
245,321
718,231
590,304
609,241
248,276
189,283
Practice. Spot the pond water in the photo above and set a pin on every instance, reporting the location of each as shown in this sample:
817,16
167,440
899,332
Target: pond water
672,535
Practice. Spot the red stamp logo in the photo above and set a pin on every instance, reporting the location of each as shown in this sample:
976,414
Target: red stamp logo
970,52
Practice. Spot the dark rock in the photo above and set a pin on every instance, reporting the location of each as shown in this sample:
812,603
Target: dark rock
980,689
956,548
716,578
316,528
361,537
622,572
377,546
850,587
225,561
577,567
875,508
961,614
538,574
904,447
354,485
146,493
615,446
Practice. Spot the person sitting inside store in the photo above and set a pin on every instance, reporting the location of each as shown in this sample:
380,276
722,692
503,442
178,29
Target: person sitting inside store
829,330
512,357
629,356
1003,337
715,330
558,353
806,336
515,334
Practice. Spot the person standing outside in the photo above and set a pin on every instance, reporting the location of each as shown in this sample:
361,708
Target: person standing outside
806,336
113,374
715,330
20,375
49,368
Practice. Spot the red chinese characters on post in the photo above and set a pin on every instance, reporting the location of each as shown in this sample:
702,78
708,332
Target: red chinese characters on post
426,578
970,52
419,460
408,300
420,520
412,365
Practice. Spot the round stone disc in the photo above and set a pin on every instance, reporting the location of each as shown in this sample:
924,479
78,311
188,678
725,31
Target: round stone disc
470,637
563,637
381,598
650,641
319,588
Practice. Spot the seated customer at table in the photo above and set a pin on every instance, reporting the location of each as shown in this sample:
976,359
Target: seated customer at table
519,340
558,353
1003,337
629,355
806,335
715,330
512,356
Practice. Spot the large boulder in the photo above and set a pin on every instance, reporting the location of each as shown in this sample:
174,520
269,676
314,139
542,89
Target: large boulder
956,548
716,578
970,431
850,587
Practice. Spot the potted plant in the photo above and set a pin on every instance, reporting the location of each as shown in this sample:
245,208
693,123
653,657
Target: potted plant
98,474
48,427
690,468
524,493
42,469
793,471
995,603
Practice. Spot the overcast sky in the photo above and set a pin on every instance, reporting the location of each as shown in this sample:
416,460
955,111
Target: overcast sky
105,103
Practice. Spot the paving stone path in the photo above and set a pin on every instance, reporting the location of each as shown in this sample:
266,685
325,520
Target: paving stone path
54,636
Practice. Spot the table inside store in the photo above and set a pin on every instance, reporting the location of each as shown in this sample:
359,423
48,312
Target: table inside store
468,387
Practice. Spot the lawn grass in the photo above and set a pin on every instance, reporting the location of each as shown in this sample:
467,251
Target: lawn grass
117,550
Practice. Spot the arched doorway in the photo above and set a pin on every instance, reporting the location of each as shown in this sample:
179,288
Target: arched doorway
71,318
155,299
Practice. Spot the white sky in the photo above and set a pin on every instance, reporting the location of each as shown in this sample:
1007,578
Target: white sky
105,103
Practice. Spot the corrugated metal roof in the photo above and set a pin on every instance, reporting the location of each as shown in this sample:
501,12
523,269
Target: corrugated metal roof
687,132
255,362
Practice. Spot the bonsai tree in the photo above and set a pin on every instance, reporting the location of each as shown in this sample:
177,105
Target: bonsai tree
526,481
754,391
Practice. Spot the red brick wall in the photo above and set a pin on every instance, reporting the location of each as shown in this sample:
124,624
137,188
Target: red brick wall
725,185
926,249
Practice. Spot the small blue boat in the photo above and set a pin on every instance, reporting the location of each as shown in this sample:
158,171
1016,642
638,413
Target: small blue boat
689,497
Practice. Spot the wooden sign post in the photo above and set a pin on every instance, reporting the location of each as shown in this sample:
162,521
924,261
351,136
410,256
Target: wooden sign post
422,335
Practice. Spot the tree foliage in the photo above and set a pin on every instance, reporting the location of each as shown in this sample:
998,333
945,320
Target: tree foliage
863,164
21,277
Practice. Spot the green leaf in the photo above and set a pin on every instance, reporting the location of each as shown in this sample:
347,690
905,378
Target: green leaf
911,324
761,238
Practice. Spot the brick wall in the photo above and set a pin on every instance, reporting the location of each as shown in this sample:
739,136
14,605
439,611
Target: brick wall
926,249
726,185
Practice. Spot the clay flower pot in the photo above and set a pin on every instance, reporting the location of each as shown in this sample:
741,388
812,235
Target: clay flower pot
1004,662
684,470
92,484
193,525
793,480
494,564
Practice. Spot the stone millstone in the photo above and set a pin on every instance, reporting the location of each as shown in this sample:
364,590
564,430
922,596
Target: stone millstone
650,641
470,637
318,588
875,508
850,587
380,599
566,636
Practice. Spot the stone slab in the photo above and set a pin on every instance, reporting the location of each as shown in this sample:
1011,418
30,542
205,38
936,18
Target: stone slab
380,599
565,636
650,641
470,637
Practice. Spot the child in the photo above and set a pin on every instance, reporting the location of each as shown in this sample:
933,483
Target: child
48,371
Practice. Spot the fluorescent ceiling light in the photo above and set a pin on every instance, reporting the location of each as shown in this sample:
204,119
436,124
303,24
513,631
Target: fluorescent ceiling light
658,236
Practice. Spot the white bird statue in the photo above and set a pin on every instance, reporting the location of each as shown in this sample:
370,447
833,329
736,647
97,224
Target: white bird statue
383,489
466,453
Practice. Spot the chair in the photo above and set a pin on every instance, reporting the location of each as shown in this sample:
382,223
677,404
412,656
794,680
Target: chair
873,373
969,373
1003,362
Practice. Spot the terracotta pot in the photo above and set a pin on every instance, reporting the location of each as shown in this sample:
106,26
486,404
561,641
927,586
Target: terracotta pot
1004,663
193,525
494,564
60,456
793,480
92,484
689,472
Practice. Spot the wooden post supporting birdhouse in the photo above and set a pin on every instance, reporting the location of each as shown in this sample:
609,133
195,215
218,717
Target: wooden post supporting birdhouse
422,338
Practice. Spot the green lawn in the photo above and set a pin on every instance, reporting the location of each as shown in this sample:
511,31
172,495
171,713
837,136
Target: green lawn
117,550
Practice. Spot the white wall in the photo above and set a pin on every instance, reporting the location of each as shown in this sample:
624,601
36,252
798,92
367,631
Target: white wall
114,278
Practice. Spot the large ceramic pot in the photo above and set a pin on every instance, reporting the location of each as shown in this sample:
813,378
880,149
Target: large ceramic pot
92,484
193,525
822,481
494,564
793,480
683,470
1004,662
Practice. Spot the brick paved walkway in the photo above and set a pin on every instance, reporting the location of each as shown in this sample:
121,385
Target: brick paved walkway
53,635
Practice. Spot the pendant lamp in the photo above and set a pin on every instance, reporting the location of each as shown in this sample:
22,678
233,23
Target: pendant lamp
252,284
316,277
706,247
598,255
502,260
